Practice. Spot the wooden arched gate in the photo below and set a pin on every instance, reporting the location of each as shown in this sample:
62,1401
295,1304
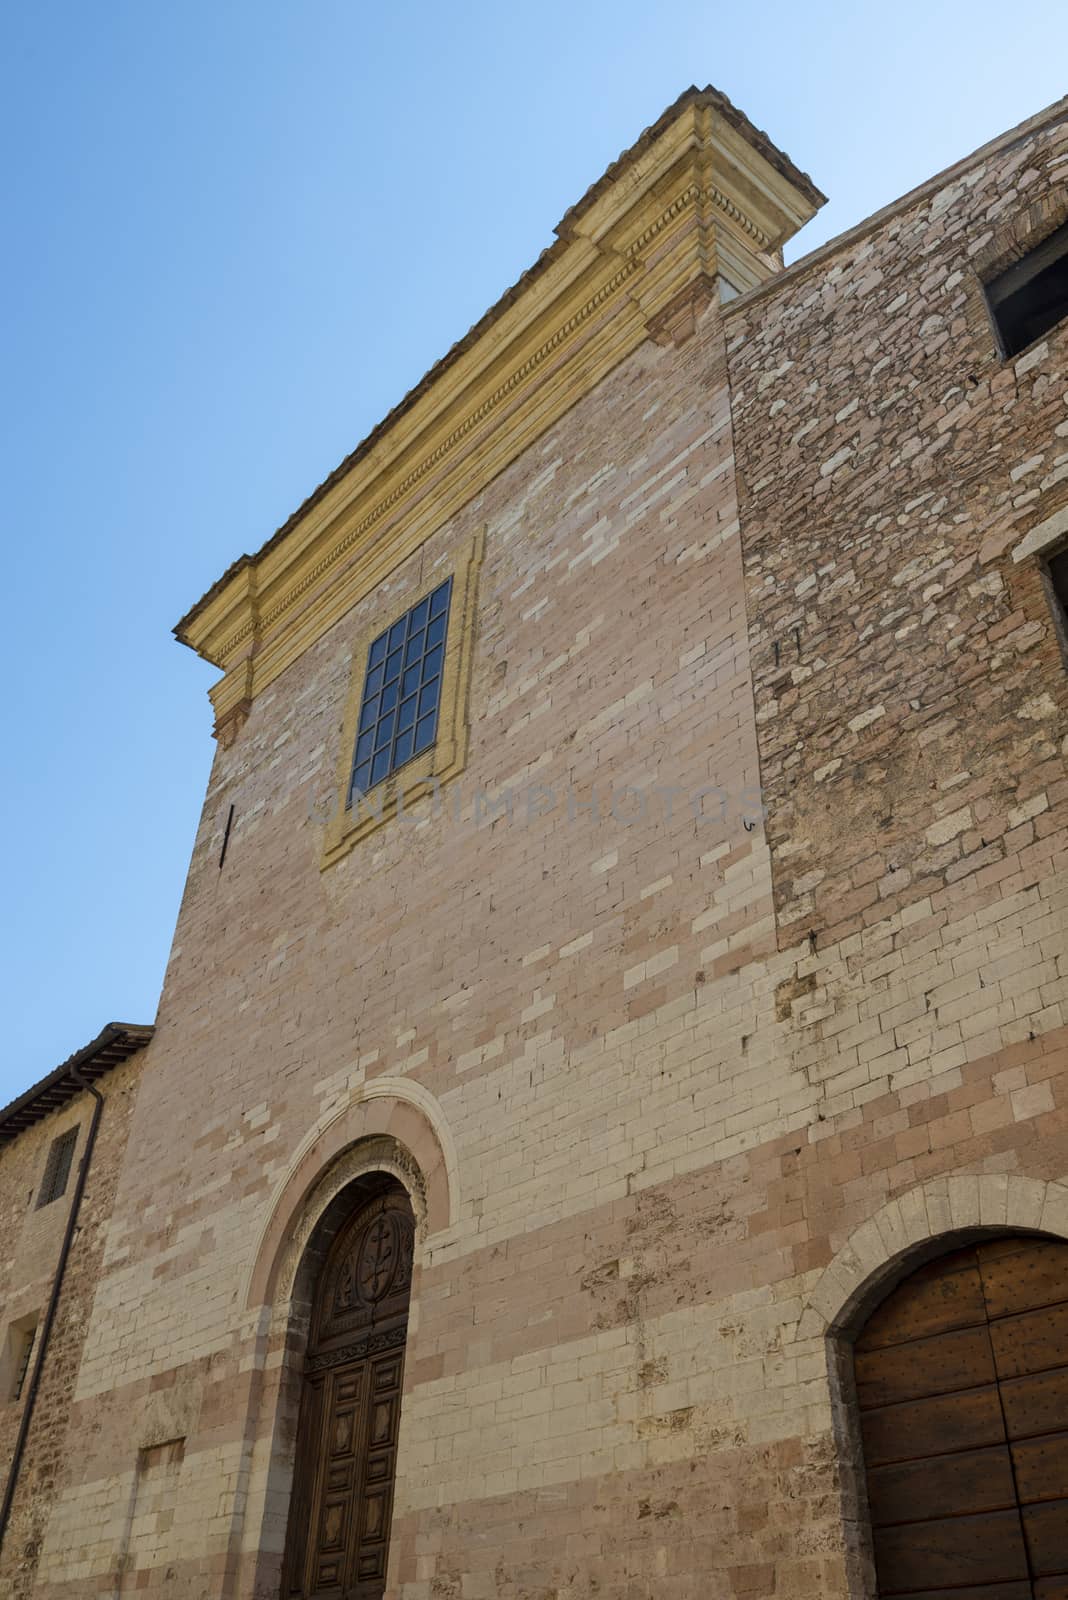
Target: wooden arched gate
962,1382
337,1541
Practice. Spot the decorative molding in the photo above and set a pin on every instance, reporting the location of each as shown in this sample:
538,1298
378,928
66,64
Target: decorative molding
736,214
650,232
347,1142
354,535
371,1155
370,1344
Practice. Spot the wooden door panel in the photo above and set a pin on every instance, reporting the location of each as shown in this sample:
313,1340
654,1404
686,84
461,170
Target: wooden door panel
951,1553
923,1367
964,1423
929,1427
942,1486
1036,1405
1028,1273
1042,1467
328,1559
1046,1527
934,1300
383,1419
986,1591
1035,1342
338,1536
336,1452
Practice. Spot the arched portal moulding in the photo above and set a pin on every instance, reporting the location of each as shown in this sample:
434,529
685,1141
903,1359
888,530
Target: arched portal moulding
926,1220
391,1125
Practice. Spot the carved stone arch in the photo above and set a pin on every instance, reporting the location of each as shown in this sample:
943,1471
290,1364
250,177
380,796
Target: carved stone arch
920,1223
359,1170
391,1125
929,1221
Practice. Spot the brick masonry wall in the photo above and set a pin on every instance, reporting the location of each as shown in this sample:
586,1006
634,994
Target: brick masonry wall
32,1240
671,1110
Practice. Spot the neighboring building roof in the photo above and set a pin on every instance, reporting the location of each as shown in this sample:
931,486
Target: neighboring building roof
115,1043
564,228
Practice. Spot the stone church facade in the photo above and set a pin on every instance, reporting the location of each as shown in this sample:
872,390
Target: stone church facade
605,1132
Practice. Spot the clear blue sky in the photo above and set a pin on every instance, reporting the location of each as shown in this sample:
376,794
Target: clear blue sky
235,235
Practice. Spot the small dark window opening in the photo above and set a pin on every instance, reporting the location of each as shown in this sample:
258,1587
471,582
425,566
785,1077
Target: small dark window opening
1031,296
29,1339
1056,573
57,1168
401,692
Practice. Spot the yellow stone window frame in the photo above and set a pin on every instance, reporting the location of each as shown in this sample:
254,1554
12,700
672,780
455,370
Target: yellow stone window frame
447,756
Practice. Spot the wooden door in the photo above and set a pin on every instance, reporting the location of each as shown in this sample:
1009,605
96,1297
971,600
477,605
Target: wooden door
337,1542
962,1381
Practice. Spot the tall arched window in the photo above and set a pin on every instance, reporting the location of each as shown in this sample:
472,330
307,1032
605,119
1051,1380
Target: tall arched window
962,1384
337,1541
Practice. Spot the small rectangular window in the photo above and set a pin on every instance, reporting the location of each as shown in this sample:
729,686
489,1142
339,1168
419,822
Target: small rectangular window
1031,296
57,1168
27,1338
401,692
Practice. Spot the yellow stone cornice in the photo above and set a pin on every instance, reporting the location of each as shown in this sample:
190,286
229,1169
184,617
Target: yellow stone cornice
699,187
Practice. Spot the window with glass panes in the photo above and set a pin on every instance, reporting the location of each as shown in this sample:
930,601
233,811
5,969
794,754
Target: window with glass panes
57,1168
401,692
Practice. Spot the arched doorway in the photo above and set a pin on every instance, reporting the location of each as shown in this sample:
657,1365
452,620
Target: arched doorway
337,1541
962,1385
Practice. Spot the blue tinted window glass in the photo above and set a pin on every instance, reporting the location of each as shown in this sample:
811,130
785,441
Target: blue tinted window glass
436,631
432,662
404,664
384,731
361,775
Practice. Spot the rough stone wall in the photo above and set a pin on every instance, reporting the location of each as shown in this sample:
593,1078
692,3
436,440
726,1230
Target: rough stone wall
32,1239
912,711
680,1127
911,694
